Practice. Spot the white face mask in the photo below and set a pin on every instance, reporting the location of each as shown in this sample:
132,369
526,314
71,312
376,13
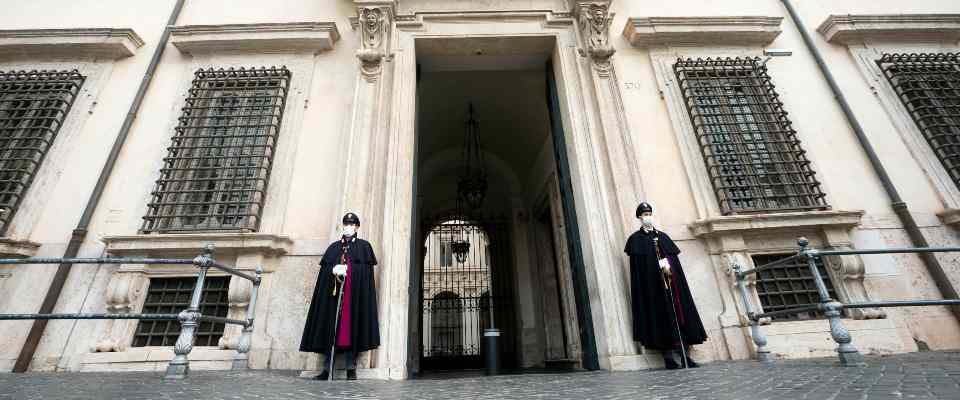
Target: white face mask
647,221
349,230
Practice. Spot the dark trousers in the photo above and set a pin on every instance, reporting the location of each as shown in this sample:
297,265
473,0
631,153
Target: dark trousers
348,358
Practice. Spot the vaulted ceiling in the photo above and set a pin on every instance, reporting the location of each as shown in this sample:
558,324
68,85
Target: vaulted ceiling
505,80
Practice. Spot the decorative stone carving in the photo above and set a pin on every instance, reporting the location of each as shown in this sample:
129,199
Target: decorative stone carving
14,248
734,238
595,19
850,269
238,297
124,295
950,216
374,23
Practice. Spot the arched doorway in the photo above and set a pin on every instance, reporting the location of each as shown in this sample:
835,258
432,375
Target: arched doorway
446,326
536,294
462,296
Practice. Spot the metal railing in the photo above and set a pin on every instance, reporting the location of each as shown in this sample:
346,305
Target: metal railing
189,318
830,307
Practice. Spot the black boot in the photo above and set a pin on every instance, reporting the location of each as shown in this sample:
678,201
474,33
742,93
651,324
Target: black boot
323,376
691,363
351,374
668,360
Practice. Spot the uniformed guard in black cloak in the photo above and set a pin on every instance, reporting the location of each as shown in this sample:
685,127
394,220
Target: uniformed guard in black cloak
655,276
347,265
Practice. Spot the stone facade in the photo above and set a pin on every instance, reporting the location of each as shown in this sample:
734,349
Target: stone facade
355,136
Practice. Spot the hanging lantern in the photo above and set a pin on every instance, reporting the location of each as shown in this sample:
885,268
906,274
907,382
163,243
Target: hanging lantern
460,246
472,186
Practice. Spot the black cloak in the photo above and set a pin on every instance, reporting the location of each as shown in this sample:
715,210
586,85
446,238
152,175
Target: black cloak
318,331
653,321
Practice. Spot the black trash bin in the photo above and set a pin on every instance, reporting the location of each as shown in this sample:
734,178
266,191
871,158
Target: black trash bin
492,351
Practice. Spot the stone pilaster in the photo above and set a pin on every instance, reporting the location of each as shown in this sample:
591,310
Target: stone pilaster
366,151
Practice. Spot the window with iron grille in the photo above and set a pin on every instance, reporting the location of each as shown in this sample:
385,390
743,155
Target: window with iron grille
216,171
752,152
172,295
928,85
33,106
789,285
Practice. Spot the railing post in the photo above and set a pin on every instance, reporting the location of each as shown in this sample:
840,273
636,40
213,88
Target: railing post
848,354
179,366
241,360
759,339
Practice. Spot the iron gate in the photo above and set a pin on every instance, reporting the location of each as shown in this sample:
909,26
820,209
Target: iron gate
462,296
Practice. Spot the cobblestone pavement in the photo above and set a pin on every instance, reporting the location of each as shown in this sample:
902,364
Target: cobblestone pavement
930,375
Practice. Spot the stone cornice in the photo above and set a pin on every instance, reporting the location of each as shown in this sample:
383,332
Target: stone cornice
950,216
16,248
846,29
73,42
265,37
190,244
729,31
781,221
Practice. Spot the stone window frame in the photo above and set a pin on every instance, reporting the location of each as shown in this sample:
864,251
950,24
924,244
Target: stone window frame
301,66
166,209
912,63
170,335
734,238
763,80
867,38
811,289
96,75
866,56
663,59
49,97
92,52
127,287
295,45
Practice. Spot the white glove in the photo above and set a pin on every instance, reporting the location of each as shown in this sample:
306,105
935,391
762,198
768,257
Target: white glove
665,265
340,270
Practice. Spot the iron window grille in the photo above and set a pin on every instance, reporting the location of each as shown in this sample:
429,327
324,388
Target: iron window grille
928,85
33,106
752,153
215,174
789,285
172,295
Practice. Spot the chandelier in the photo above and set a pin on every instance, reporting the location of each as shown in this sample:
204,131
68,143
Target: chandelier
472,186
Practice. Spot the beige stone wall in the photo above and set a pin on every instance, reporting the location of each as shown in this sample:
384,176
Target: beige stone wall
306,196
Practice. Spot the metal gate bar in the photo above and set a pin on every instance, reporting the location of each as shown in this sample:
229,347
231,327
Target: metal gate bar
460,299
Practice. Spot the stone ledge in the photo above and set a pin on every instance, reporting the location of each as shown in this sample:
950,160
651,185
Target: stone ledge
759,222
847,29
154,359
740,30
804,339
950,217
75,42
265,37
189,244
636,362
16,248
